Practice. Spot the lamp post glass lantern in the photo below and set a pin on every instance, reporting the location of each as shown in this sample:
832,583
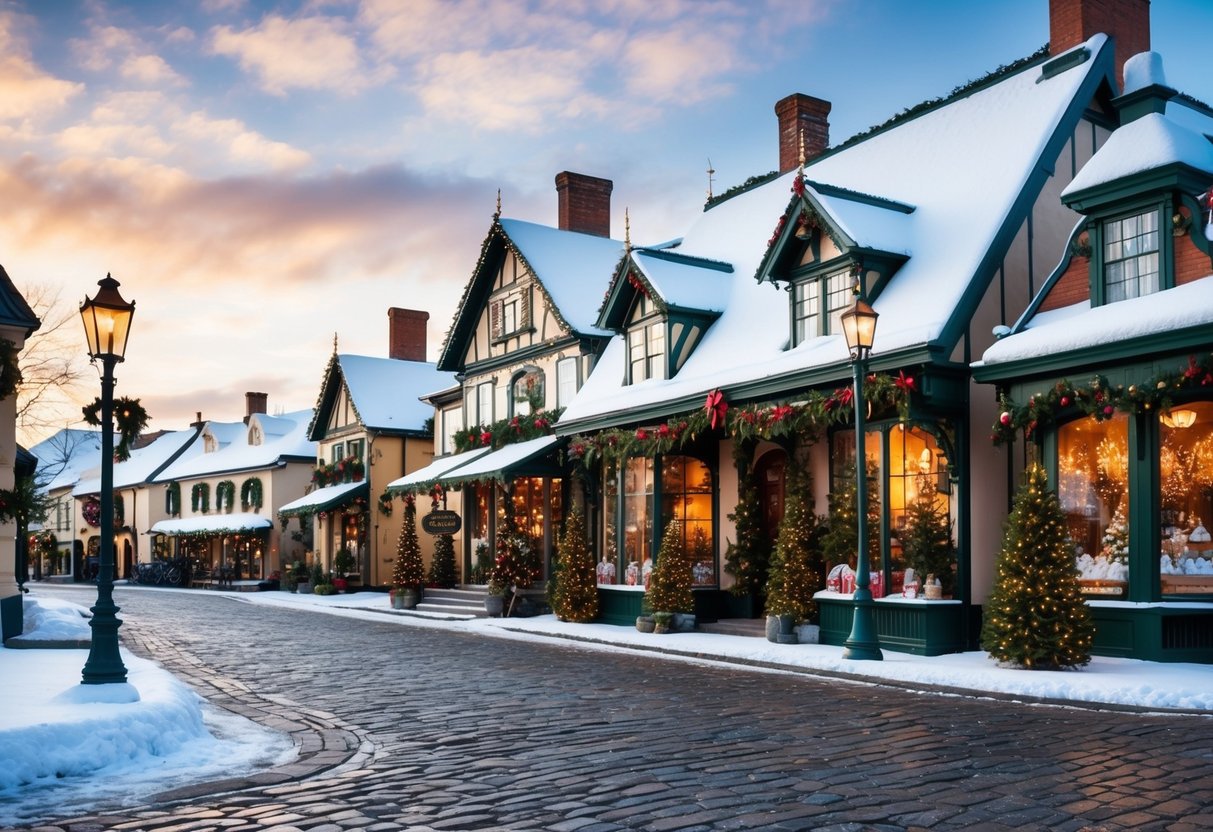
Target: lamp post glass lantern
107,324
859,327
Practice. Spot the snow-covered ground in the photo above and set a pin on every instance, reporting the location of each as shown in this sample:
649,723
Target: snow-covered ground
58,749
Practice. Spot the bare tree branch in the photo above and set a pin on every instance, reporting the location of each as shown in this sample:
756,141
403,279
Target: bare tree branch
52,364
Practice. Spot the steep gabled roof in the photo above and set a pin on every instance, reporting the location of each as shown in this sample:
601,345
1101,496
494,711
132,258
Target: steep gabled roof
14,311
239,456
675,282
568,267
384,392
144,463
970,168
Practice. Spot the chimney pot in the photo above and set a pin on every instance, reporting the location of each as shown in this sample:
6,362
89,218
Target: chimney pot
406,333
585,203
802,117
1127,22
253,403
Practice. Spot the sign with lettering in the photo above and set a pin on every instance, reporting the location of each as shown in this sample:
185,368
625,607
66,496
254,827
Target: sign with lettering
441,522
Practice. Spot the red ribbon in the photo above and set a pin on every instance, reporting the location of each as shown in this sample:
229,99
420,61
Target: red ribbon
716,407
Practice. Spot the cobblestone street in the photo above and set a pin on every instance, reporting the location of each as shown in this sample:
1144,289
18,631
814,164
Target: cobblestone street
416,728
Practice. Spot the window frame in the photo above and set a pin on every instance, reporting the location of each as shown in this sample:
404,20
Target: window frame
1161,208
645,320
825,320
563,365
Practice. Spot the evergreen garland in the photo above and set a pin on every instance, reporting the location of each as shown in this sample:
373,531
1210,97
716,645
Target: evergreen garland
10,370
409,569
251,494
129,417
748,559
574,589
670,581
172,499
797,566
225,496
443,572
200,498
507,431
926,542
1035,616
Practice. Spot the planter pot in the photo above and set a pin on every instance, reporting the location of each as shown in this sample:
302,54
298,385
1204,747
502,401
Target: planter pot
408,598
305,587
341,584
787,630
397,599
645,624
493,605
661,629
684,622
808,633
773,628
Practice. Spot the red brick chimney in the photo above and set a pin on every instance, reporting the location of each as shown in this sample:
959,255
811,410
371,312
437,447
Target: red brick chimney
253,403
406,334
585,203
802,117
1072,22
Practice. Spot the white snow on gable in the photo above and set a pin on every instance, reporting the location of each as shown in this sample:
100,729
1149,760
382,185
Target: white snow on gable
1145,144
386,391
574,268
685,284
870,226
962,166
143,462
240,456
1080,327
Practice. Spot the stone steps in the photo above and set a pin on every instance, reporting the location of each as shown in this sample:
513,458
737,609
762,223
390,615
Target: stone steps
462,601
751,627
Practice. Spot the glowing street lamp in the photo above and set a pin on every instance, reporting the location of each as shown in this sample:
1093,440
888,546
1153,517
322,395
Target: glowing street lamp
859,327
107,324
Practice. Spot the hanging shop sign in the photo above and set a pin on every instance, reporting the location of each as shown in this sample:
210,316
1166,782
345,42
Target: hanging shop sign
441,522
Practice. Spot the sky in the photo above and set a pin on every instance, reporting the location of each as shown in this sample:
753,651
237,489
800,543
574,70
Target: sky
153,732
261,176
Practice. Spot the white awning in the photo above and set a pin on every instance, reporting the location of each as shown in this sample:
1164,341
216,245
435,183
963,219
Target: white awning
323,499
213,524
423,478
522,459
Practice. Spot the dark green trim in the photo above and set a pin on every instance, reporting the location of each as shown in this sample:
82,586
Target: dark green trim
1152,99
860,197
686,259
1144,506
1166,179
1166,262
1061,63
1039,298
544,462
1101,72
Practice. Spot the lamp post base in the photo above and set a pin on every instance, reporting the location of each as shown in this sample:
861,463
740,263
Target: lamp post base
862,644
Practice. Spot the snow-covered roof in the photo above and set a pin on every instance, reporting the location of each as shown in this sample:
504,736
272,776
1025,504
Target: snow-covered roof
271,425
432,472
225,433
961,166
868,223
685,282
237,522
1080,326
143,462
571,266
502,460
1147,143
65,456
241,456
322,496
386,391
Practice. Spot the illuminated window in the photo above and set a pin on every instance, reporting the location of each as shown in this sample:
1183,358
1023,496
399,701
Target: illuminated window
1185,479
1093,489
808,317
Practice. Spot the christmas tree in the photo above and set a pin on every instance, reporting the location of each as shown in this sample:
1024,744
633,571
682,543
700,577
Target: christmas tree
442,568
409,570
574,590
515,566
1115,543
670,582
748,559
840,542
797,568
927,540
1035,616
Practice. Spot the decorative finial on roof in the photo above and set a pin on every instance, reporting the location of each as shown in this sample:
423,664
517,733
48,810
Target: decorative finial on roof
802,153
334,343
711,172
497,213
627,230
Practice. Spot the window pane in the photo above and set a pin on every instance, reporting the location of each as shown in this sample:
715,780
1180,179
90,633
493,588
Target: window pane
637,521
566,381
1093,489
608,568
1186,491
1131,257
838,298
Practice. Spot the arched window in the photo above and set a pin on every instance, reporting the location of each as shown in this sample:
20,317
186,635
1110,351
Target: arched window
526,392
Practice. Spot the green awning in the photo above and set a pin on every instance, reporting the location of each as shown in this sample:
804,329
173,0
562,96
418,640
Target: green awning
325,499
533,458
424,478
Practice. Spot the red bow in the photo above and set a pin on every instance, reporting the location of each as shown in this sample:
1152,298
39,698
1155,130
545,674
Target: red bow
716,407
844,395
798,186
904,382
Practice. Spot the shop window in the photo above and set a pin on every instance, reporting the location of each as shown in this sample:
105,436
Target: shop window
608,567
686,496
531,509
818,304
637,530
1185,479
1130,256
917,483
1093,489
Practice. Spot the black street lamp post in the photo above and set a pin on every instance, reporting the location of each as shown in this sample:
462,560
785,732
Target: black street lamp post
107,322
859,326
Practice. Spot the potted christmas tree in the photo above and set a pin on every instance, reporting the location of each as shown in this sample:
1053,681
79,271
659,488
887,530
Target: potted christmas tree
443,572
1036,617
574,590
670,582
797,571
409,570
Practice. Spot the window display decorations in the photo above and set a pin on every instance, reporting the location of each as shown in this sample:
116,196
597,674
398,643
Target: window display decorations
1097,398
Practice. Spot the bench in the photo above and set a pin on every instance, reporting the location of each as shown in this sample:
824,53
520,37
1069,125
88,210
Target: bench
200,578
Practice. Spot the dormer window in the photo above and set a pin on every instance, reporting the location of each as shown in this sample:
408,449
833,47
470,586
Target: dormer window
254,435
646,341
1130,256
209,443
818,302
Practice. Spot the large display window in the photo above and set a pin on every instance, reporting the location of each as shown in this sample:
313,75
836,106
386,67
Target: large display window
1093,489
1185,481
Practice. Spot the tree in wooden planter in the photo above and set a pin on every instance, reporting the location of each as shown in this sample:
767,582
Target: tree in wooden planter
408,572
1036,617
574,589
927,539
840,541
797,567
670,581
443,572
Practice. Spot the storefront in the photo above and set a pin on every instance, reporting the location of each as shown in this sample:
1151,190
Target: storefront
234,546
341,518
